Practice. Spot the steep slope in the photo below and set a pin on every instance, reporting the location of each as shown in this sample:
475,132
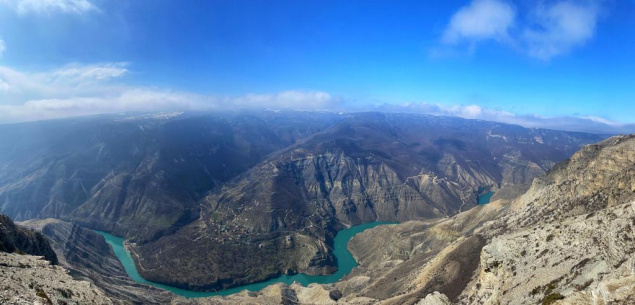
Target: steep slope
88,257
136,176
280,215
401,264
20,240
567,240
569,237
28,274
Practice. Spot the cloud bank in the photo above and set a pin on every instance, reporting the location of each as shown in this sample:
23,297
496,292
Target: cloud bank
590,124
541,30
77,90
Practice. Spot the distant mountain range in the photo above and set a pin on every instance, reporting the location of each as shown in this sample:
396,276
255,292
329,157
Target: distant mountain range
264,190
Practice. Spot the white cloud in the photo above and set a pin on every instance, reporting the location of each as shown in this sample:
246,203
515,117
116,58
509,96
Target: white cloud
3,47
542,30
480,20
128,100
306,100
600,120
79,73
591,124
4,87
148,99
76,89
558,28
70,81
470,112
24,7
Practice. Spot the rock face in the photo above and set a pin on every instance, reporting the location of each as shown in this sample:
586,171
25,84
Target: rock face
569,238
573,258
282,213
435,298
28,274
27,279
17,239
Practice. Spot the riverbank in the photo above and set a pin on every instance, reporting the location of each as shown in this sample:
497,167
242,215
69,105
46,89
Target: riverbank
345,261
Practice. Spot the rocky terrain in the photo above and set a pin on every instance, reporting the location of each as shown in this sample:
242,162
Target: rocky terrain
15,239
217,200
567,240
570,237
27,279
88,257
281,214
28,274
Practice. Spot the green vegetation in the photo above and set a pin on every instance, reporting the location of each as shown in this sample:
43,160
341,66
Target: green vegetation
44,296
552,298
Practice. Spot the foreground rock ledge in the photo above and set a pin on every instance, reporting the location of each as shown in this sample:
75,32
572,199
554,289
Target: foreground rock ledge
27,279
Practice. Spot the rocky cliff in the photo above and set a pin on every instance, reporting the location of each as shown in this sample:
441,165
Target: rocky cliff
16,239
28,274
569,239
88,257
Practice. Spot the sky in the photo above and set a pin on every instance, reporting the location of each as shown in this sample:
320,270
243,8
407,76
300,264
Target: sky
557,64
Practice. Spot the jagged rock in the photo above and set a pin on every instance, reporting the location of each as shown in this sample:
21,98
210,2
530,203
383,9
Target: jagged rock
27,279
17,239
569,239
435,298
563,257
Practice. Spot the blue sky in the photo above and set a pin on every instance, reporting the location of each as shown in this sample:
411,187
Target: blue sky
536,63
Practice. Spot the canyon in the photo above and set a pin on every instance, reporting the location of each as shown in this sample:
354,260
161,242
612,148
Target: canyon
559,227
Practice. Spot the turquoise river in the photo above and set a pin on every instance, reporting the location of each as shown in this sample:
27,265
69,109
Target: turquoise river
345,263
485,198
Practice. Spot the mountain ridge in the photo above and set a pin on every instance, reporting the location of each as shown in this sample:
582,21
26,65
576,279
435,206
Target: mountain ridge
366,168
